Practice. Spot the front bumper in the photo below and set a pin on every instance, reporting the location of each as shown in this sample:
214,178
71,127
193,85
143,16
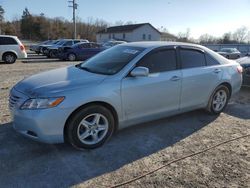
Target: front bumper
44,125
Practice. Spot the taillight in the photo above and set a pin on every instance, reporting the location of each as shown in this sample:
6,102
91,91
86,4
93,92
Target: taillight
240,69
22,48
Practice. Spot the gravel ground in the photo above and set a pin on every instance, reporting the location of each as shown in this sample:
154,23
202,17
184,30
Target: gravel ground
132,151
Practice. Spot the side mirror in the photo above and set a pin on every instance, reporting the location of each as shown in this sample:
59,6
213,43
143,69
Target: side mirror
140,71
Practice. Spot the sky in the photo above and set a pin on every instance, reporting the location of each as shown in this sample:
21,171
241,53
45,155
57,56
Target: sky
214,17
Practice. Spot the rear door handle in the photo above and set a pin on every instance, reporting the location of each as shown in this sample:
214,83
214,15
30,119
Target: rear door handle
217,71
175,78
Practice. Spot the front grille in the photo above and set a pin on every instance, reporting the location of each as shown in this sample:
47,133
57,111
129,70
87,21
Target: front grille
16,99
13,100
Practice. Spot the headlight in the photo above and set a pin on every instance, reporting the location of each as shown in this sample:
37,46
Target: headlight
42,103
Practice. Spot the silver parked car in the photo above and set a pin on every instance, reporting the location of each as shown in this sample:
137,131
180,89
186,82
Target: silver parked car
230,53
124,85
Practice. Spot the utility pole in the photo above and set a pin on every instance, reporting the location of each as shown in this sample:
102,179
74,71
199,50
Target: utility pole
74,5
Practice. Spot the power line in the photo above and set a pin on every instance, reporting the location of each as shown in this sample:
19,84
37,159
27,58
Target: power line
73,5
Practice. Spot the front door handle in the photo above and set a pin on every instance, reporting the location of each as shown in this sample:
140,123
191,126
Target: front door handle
217,71
175,78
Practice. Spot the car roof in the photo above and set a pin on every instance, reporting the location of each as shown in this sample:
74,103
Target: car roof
12,36
155,44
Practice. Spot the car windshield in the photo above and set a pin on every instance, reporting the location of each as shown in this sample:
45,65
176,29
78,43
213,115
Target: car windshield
111,61
78,44
56,42
225,50
61,42
45,42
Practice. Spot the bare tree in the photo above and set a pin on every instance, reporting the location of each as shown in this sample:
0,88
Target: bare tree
207,39
240,35
248,37
184,36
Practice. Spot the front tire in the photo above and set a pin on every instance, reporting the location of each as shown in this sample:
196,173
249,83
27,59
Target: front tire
218,100
71,57
90,127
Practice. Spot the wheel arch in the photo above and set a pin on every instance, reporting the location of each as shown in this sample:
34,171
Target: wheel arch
229,86
100,103
9,52
72,53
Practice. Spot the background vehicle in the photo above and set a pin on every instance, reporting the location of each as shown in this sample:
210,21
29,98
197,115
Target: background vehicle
43,47
82,104
230,53
112,43
37,47
52,51
245,63
80,51
11,49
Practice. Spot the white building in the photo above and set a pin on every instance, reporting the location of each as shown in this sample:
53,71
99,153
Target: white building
129,33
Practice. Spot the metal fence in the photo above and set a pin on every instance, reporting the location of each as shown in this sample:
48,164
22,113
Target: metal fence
243,48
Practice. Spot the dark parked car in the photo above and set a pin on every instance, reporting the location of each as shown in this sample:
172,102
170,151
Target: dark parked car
80,51
112,43
245,63
44,47
53,50
37,47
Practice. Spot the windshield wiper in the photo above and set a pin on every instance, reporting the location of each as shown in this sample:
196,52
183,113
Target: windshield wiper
90,70
83,68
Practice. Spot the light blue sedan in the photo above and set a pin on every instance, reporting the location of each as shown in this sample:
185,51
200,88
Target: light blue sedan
124,85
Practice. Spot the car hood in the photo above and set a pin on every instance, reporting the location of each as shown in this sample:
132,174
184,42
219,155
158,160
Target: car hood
58,80
46,45
222,53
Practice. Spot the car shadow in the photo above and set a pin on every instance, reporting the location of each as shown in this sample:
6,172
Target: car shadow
239,105
42,60
26,163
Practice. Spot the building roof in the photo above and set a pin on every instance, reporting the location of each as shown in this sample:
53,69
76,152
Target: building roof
125,28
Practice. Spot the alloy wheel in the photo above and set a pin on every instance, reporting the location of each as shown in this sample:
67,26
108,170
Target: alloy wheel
219,100
92,129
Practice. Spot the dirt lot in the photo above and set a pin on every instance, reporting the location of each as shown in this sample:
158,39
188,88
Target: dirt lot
25,163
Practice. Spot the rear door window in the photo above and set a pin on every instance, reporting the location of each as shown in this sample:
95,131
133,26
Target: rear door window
7,41
192,58
68,43
85,45
211,61
76,41
94,45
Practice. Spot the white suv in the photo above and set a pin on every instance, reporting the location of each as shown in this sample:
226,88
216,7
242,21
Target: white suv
11,48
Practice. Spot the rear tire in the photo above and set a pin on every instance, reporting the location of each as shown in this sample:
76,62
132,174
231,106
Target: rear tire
9,58
51,54
218,100
90,127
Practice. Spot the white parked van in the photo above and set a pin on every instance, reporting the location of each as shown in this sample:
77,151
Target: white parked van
11,49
